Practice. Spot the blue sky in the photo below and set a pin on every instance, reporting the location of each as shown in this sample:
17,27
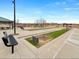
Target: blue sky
28,11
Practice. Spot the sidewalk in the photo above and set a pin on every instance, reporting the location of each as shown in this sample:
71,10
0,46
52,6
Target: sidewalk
61,47
51,48
71,48
24,49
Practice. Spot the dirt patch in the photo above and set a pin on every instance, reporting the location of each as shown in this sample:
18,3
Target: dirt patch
43,39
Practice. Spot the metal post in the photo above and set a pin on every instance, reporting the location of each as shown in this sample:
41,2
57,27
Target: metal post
12,49
14,2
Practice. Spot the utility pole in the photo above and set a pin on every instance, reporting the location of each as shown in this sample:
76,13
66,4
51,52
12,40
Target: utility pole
14,3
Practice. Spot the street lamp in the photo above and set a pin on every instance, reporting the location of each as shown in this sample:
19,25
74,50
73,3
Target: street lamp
14,3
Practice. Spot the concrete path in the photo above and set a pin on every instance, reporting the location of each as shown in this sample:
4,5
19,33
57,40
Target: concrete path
70,49
51,48
21,51
65,46
24,49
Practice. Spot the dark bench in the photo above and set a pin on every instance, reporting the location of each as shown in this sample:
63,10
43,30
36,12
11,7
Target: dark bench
9,41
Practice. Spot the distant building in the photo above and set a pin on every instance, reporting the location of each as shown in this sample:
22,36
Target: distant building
71,25
5,23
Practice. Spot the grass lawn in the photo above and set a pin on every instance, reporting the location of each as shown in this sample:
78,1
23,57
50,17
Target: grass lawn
31,41
56,34
35,29
50,36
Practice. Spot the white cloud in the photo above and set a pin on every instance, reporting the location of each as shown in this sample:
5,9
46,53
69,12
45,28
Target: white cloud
71,0
77,4
70,9
67,9
60,3
57,3
62,19
56,17
49,18
21,17
38,12
63,2
8,15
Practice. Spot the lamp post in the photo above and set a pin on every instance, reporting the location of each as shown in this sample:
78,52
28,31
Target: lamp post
14,3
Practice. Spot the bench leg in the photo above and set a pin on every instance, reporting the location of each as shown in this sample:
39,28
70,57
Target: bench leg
12,49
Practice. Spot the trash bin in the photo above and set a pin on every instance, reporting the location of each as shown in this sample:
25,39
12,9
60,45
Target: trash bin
35,39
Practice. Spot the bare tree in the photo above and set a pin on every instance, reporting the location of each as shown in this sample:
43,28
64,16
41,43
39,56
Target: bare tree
17,21
41,22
